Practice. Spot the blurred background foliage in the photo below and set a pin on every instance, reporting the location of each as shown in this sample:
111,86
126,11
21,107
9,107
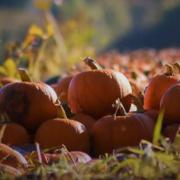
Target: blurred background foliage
48,34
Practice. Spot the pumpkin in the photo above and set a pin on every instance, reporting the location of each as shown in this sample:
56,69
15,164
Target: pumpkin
111,132
28,103
170,103
15,134
85,119
171,131
93,92
153,114
58,132
61,88
156,88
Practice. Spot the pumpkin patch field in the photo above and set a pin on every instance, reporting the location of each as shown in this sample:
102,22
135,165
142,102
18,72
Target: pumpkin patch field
115,116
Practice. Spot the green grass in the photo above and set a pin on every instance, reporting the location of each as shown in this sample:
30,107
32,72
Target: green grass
160,160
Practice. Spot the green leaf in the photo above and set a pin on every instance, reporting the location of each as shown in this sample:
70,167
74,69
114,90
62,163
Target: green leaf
176,143
136,151
158,126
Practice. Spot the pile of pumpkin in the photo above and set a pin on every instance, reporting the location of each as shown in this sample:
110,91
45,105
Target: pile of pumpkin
108,111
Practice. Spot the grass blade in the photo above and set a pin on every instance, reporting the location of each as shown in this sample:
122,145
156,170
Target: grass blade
158,127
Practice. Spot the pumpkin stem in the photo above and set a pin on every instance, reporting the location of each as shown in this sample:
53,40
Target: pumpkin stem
134,75
176,65
169,70
137,102
136,91
24,75
60,110
92,63
119,107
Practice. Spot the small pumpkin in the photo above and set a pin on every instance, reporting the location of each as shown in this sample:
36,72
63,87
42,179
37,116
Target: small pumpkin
61,88
157,87
112,132
170,103
58,132
85,119
28,103
15,134
93,92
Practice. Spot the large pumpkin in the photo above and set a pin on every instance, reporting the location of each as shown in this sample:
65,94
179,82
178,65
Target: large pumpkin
93,92
15,134
156,88
111,132
170,102
58,132
28,103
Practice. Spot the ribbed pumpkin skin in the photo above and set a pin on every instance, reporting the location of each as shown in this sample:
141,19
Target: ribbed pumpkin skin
15,134
94,92
58,132
109,133
155,90
171,103
28,103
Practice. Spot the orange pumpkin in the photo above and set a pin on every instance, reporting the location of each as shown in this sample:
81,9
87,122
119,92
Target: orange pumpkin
28,103
85,119
170,103
15,134
93,92
110,132
58,132
61,88
156,88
